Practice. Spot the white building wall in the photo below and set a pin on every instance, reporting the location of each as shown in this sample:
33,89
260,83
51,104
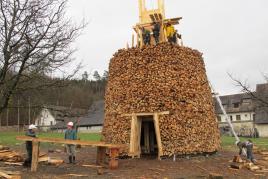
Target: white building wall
262,129
45,118
245,116
93,129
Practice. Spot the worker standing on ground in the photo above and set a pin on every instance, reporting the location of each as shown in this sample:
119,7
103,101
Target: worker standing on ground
171,33
70,134
29,145
248,146
156,32
146,35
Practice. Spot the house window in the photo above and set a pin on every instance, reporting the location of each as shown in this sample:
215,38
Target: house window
238,117
254,117
236,105
219,118
231,118
51,123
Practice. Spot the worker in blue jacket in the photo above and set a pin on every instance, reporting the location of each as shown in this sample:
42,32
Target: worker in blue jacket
70,134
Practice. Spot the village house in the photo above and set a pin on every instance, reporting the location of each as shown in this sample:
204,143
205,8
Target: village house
91,122
52,115
248,115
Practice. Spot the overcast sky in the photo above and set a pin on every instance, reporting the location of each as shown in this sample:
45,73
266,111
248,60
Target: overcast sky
232,34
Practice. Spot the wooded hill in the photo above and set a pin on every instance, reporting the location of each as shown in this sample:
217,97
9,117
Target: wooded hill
73,93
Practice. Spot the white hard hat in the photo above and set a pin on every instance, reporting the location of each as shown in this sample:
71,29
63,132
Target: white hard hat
32,126
70,124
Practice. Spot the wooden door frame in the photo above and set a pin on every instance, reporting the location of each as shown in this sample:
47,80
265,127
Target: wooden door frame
135,134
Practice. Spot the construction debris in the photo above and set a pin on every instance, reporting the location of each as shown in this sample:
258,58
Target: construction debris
3,147
10,156
162,78
237,159
10,174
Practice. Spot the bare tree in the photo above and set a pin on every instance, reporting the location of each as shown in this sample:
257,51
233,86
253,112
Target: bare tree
260,98
35,40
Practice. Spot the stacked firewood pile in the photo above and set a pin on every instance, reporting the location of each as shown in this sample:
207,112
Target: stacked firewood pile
8,155
161,78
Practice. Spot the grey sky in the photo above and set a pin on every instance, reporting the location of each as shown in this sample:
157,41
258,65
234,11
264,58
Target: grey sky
232,34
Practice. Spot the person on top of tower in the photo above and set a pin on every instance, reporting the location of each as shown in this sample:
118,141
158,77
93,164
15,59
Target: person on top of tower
146,35
156,32
170,31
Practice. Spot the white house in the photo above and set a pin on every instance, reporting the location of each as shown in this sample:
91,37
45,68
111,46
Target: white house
52,115
45,119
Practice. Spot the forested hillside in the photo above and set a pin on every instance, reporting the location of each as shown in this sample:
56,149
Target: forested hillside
73,93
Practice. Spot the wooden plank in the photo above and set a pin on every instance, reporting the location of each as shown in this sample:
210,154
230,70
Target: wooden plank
75,142
146,114
2,174
152,17
132,133
77,175
13,163
35,155
158,136
92,166
101,155
114,153
156,16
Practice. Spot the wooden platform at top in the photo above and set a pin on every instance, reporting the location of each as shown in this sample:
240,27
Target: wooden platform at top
74,142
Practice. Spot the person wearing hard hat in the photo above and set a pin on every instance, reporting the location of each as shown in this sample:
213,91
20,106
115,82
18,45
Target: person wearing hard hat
170,32
70,134
31,132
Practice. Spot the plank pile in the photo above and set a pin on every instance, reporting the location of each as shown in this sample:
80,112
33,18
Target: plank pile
161,78
7,155
10,174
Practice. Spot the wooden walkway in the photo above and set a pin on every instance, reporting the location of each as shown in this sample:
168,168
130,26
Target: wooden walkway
101,149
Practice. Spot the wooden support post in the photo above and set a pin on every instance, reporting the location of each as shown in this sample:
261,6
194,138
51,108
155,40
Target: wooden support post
35,155
133,39
101,155
114,153
158,136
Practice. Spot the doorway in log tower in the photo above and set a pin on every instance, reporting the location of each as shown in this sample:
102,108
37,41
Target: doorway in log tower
148,142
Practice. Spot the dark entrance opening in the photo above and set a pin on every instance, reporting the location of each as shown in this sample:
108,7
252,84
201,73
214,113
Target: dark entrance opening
148,142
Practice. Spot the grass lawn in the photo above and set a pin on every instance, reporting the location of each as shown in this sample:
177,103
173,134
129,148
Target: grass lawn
228,143
9,138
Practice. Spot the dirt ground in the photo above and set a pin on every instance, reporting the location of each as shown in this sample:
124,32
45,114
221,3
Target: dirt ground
147,168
